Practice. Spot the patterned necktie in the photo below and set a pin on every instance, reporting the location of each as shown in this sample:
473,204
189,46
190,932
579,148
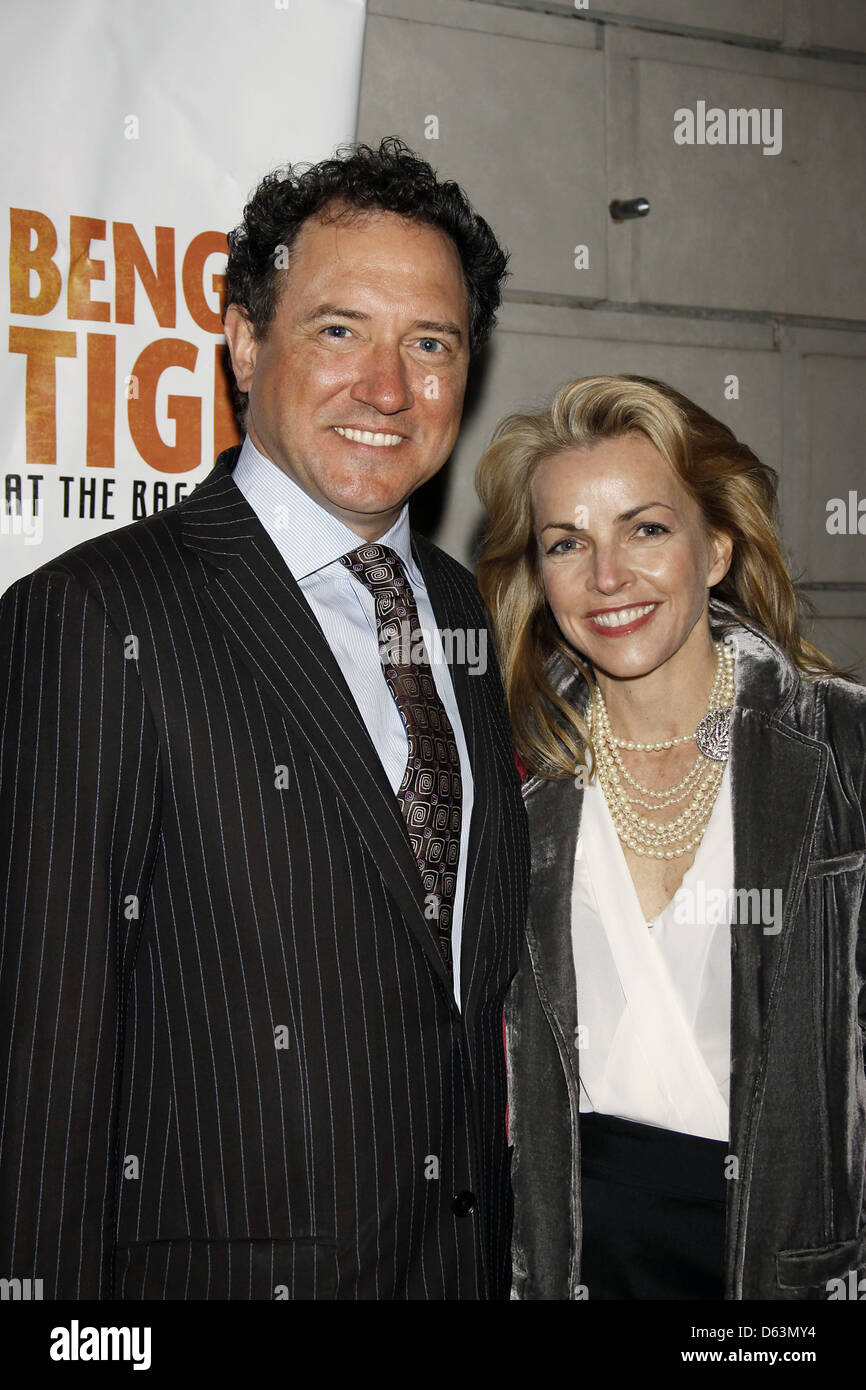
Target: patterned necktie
430,792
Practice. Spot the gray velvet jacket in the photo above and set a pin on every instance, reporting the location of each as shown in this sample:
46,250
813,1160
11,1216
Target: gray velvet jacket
796,1214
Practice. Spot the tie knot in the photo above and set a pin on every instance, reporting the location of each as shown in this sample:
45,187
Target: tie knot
377,566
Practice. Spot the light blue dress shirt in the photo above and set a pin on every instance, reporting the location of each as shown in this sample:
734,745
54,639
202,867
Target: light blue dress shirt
311,541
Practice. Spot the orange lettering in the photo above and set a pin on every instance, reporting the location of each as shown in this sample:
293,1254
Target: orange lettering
42,347
185,453
100,400
23,258
159,285
79,305
192,278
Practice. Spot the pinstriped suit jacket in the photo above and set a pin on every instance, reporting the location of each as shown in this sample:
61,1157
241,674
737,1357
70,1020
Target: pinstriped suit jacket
234,1065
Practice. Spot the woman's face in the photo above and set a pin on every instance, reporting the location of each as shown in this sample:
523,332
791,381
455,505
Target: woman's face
625,559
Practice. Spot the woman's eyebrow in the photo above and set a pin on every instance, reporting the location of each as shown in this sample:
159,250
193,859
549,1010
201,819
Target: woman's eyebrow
623,516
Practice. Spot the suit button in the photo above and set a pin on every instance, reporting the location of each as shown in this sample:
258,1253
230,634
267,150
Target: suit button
463,1203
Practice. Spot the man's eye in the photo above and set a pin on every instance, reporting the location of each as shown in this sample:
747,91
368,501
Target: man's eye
336,328
431,345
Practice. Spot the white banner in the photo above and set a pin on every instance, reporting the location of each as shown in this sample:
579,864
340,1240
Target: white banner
133,135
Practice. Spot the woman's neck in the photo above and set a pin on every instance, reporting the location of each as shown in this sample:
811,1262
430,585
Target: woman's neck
667,702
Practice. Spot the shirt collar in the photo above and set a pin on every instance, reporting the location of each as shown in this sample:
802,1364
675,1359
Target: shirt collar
307,536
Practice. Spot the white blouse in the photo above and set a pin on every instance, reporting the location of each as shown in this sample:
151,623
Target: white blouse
653,999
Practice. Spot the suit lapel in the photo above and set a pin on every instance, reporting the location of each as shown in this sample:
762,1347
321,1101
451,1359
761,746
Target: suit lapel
270,626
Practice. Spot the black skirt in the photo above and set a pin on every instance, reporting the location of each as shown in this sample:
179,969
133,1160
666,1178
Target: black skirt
653,1204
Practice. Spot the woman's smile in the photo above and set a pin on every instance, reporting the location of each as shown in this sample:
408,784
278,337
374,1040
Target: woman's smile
620,622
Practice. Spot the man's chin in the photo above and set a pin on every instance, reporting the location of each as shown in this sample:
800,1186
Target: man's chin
365,513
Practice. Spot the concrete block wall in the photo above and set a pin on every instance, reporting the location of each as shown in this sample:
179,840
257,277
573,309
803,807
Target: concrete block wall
750,265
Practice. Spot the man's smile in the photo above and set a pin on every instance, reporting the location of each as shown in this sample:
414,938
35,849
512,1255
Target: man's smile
373,438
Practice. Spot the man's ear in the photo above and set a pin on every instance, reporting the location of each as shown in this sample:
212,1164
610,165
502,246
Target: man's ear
242,345
721,551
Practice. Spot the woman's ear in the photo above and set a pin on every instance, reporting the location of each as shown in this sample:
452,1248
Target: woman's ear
721,551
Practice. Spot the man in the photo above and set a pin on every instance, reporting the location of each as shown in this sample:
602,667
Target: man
265,870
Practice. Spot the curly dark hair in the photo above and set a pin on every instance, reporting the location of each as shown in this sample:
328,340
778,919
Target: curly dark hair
389,179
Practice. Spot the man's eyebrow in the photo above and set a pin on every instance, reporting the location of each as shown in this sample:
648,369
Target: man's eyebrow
623,516
439,326
338,311
333,311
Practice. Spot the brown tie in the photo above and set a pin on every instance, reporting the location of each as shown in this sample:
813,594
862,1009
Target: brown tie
430,792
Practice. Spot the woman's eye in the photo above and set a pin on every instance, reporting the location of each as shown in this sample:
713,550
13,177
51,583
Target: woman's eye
653,529
562,547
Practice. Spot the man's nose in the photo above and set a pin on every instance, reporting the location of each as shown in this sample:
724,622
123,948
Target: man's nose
383,382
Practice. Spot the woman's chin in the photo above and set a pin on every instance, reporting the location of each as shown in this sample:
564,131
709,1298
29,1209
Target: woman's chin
622,658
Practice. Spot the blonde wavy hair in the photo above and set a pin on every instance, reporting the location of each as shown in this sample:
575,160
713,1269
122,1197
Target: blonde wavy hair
734,490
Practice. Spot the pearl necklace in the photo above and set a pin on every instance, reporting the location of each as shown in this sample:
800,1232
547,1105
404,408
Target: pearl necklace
715,701
722,651
683,834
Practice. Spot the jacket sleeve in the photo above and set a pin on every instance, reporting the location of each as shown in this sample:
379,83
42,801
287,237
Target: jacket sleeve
861,932
510,1023
846,713
79,794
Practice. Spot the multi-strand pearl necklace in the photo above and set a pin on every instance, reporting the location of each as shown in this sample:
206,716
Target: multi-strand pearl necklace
654,838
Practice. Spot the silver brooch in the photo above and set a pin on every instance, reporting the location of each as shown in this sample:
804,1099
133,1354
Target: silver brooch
713,735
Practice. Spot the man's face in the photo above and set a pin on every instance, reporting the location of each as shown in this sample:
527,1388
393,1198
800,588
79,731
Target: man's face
357,389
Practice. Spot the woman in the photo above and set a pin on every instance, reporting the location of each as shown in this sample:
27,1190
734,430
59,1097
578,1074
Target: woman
686,1031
